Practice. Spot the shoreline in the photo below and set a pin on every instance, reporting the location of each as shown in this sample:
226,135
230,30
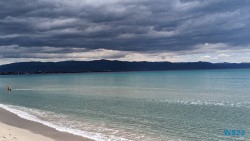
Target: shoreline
25,129
89,72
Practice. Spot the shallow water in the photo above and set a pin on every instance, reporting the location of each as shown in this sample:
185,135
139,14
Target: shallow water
164,105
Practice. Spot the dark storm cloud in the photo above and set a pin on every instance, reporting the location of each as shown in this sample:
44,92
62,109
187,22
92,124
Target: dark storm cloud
123,25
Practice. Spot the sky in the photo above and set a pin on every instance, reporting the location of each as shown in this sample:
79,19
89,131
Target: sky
127,30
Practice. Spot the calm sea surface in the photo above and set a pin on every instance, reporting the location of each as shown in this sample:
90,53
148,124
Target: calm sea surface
140,106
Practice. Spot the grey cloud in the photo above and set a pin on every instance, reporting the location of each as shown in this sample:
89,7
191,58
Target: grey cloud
128,25
15,51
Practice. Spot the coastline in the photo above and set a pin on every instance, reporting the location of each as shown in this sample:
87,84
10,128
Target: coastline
22,129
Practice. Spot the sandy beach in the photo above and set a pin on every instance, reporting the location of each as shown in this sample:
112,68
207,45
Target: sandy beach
14,128
10,133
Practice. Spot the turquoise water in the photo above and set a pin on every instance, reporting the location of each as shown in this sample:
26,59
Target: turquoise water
153,106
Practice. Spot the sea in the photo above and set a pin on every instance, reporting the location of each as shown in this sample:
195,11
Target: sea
188,105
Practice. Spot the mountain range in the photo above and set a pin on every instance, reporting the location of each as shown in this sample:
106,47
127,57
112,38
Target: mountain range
110,66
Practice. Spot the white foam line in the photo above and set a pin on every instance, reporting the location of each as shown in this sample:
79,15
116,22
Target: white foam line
209,103
85,134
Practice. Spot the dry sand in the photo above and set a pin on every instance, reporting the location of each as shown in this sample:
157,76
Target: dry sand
10,133
14,128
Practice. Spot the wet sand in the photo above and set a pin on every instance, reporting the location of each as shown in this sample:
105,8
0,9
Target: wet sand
14,128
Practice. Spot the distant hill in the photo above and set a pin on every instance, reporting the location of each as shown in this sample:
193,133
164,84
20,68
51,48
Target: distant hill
110,66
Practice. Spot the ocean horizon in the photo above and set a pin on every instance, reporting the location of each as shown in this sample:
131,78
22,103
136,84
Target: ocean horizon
133,106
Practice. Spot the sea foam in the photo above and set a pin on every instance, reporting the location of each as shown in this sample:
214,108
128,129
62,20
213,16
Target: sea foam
85,134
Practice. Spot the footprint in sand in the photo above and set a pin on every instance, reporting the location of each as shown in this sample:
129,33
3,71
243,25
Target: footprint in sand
14,139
